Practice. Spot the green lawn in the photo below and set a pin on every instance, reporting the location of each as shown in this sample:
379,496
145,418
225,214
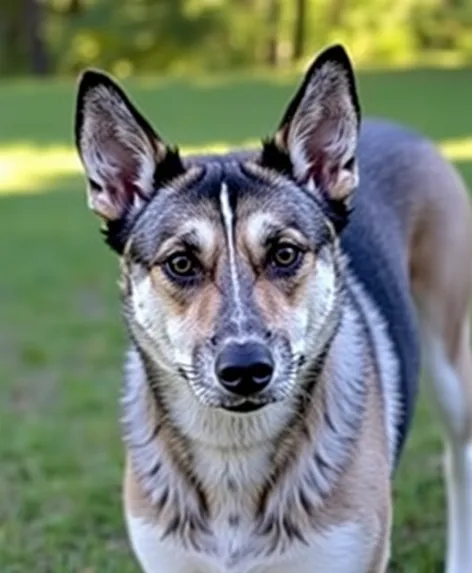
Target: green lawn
61,337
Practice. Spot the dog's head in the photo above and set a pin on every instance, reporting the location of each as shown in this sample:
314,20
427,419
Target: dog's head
231,267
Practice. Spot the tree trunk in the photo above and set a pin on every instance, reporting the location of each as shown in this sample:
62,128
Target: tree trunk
37,51
273,15
335,11
299,30
75,7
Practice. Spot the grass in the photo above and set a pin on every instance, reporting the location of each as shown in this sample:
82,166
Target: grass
61,337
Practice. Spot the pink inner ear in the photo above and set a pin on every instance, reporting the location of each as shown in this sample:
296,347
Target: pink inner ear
119,190
323,153
130,186
322,172
123,185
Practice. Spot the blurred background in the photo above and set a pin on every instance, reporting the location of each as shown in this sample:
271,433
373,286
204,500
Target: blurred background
210,75
50,37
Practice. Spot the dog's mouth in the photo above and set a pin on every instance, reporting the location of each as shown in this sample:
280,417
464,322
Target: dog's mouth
245,407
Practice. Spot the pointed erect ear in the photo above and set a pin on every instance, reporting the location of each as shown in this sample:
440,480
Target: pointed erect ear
317,138
120,151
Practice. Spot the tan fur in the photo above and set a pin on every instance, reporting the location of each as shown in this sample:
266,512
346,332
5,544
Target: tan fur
276,303
440,254
441,262
136,502
364,489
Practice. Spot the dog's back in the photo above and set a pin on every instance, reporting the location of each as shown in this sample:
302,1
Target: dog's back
376,240
408,196
410,239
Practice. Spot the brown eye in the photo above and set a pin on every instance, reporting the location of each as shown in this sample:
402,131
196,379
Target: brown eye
285,256
180,266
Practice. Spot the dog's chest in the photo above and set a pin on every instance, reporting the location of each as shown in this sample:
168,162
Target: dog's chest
233,483
232,542
345,548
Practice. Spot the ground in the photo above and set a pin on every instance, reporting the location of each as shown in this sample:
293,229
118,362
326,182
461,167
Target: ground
61,336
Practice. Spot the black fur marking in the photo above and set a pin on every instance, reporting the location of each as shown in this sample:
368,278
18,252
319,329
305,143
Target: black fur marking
115,234
292,531
266,526
161,502
156,468
305,503
272,157
349,165
328,421
231,484
95,186
173,527
233,520
338,212
322,463
276,534
169,168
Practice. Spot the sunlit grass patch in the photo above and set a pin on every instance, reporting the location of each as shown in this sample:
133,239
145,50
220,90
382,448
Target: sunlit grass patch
458,149
29,168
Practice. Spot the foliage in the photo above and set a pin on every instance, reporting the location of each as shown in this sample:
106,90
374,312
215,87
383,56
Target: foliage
149,36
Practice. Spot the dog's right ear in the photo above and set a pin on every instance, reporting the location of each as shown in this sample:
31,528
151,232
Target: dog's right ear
123,157
316,141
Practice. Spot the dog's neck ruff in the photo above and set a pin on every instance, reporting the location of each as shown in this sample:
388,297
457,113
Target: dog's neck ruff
271,488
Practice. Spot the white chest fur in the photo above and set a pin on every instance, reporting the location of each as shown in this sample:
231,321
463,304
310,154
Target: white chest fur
345,548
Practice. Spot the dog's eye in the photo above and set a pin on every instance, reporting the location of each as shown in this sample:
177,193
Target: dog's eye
181,265
285,256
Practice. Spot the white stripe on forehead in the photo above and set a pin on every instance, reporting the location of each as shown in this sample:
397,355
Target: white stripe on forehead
228,218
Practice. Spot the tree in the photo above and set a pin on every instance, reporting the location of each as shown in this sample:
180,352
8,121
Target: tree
37,51
75,7
299,38
273,16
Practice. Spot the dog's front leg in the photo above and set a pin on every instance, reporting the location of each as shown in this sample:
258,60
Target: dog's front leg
382,557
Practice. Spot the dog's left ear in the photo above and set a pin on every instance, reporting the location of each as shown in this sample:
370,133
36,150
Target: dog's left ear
317,138
123,157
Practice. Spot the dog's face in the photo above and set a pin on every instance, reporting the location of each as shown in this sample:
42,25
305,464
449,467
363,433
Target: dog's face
231,267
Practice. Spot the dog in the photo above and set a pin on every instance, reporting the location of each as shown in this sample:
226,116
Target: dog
280,304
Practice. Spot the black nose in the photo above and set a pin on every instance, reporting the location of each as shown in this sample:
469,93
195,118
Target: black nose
244,369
